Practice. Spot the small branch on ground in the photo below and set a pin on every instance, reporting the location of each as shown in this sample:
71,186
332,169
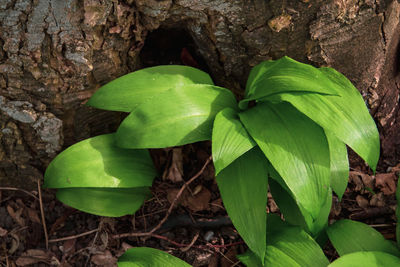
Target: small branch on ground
73,236
19,189
46,237
207,246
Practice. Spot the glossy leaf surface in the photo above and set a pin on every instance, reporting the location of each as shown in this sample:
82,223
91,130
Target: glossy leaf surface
244,186
149,257
297,216
291,246
179,116
350,236
230,139
297,149
285,75
130,90
366,259
111,202
339,164
250,259
344,115
98,162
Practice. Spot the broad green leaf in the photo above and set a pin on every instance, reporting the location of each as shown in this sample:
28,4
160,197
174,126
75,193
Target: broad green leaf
111,202
366,259
296,215
176,117
149,257
230,139
284,75
98,162
350,236
296,147
244,186
130,90
398,214
339,164
250,259
291,246
344,115
291,210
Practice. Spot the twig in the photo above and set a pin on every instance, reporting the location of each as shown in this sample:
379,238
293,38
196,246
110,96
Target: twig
185,185
19,189
73,236
191,243
207,246
42,215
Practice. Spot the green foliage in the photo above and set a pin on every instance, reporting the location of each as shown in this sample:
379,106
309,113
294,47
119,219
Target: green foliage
350,236
98,177
250,195
149,257
366,259
295,133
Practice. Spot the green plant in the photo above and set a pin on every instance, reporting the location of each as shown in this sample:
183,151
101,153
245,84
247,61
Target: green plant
357,244
295,131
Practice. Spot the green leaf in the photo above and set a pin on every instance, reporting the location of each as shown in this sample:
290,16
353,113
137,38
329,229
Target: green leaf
344,115
295,215
350,236
149,257
97,162
176,117
366,259
230,139
111,202
243,186
296,147
339,164
128,91
284,75
250,259
291,246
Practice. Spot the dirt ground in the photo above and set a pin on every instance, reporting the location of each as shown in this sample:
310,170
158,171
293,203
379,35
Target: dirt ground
197,229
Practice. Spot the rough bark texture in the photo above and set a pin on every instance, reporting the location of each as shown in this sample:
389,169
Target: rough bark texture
55,54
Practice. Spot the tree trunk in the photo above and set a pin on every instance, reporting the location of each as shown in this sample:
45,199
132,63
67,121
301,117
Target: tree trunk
55,54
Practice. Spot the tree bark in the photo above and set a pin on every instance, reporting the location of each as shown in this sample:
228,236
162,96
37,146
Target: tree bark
55,54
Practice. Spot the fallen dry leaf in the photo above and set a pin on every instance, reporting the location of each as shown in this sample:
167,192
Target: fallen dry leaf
198,202
386,182
361,180
229,258
377,200
216,205
3,232
68,247
33,256
33,216
105,259
354,178
16,215
362,202
174,172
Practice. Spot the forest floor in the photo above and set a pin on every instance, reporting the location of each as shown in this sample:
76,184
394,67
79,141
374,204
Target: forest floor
196,229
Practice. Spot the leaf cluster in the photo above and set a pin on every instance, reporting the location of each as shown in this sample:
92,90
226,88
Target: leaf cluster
291,141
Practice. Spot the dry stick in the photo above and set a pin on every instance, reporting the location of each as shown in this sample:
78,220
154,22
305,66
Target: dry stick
42,215
207,246
191,243
185,185
18,189
73,236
